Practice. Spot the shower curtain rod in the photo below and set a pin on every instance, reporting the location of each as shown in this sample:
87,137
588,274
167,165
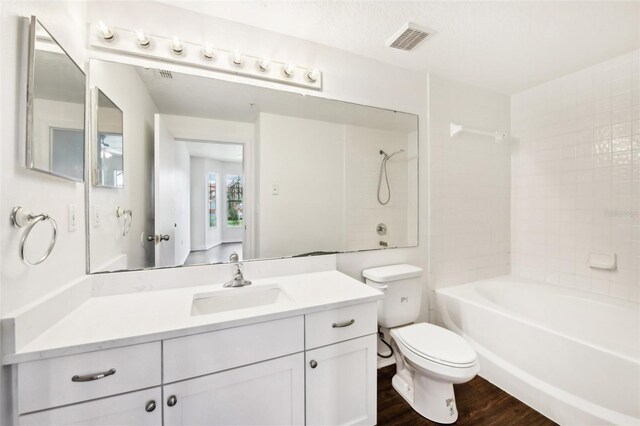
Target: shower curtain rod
457,128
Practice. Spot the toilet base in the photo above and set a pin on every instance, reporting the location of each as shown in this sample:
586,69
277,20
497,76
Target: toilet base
431,398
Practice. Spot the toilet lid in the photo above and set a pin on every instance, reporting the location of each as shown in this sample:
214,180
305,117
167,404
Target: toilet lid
437,344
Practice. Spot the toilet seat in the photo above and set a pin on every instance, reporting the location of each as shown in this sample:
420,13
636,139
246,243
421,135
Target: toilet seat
436,344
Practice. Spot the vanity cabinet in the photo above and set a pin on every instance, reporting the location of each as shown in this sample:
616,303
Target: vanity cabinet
318,369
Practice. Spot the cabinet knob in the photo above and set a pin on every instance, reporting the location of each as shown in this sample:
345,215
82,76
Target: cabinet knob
172,400
313,363
151,405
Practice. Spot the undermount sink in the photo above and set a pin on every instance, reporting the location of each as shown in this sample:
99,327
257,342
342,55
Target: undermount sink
233,299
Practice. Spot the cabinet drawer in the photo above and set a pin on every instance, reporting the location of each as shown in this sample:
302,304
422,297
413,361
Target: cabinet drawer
53,382
336,325
142,408
206,353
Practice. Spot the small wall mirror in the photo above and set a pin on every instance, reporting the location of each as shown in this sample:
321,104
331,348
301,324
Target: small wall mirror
55,108
109,161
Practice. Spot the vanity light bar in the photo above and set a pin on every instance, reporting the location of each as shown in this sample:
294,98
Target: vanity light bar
139,43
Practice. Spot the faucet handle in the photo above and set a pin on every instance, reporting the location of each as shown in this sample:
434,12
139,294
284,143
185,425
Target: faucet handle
233,257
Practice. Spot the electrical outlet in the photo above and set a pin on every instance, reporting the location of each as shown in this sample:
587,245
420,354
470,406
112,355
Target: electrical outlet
275,189
96,217
73,217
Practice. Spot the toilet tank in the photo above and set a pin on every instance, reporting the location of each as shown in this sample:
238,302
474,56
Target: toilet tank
402,293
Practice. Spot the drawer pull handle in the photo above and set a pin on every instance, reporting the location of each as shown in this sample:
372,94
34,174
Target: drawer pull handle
92,377
313,363
343,324
151,405
172,400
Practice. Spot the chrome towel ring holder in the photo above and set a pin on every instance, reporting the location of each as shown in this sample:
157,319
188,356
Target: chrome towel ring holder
126,222
20,217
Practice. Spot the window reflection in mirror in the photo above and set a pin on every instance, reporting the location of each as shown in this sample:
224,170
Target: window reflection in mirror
56,103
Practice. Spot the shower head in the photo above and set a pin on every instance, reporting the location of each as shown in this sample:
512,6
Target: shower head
387,156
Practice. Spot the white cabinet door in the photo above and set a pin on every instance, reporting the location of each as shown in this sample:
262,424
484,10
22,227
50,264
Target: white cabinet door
266,393
341,383
142,408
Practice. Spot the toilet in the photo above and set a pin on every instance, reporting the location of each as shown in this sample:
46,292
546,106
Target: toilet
429,359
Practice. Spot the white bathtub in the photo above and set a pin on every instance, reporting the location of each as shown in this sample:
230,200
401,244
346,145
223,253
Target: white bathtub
571,355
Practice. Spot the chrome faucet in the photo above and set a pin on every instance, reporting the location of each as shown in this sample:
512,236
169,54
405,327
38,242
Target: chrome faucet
238,279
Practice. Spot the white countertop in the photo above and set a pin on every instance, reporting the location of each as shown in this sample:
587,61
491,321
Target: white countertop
131,318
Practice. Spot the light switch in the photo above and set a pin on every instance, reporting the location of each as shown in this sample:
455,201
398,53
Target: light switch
73,217
275,189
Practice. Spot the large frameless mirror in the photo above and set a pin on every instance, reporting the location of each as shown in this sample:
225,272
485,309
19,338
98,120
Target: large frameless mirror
219,167
55,108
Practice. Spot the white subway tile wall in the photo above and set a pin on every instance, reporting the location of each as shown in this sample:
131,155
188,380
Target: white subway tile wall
575,178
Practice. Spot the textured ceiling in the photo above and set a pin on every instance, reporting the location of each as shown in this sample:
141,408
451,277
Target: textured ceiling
505,46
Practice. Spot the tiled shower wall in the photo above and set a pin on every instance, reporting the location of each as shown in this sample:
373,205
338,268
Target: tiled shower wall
576,178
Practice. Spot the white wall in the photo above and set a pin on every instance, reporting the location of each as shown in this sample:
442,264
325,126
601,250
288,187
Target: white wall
125,88
469,185
576,178
305,158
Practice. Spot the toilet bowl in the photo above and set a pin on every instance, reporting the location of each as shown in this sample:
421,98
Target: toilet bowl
429,359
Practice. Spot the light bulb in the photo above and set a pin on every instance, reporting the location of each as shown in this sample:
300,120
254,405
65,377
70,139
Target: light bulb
176,46
312,75
207,51
288,70
237,58
104,31
143,39
264,64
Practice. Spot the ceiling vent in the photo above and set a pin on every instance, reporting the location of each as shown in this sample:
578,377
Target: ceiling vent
409,36
165,73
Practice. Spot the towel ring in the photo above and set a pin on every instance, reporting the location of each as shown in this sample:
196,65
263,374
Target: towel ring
20,217
126,225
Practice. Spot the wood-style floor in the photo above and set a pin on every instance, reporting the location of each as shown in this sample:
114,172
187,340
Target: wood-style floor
479,403
217,254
